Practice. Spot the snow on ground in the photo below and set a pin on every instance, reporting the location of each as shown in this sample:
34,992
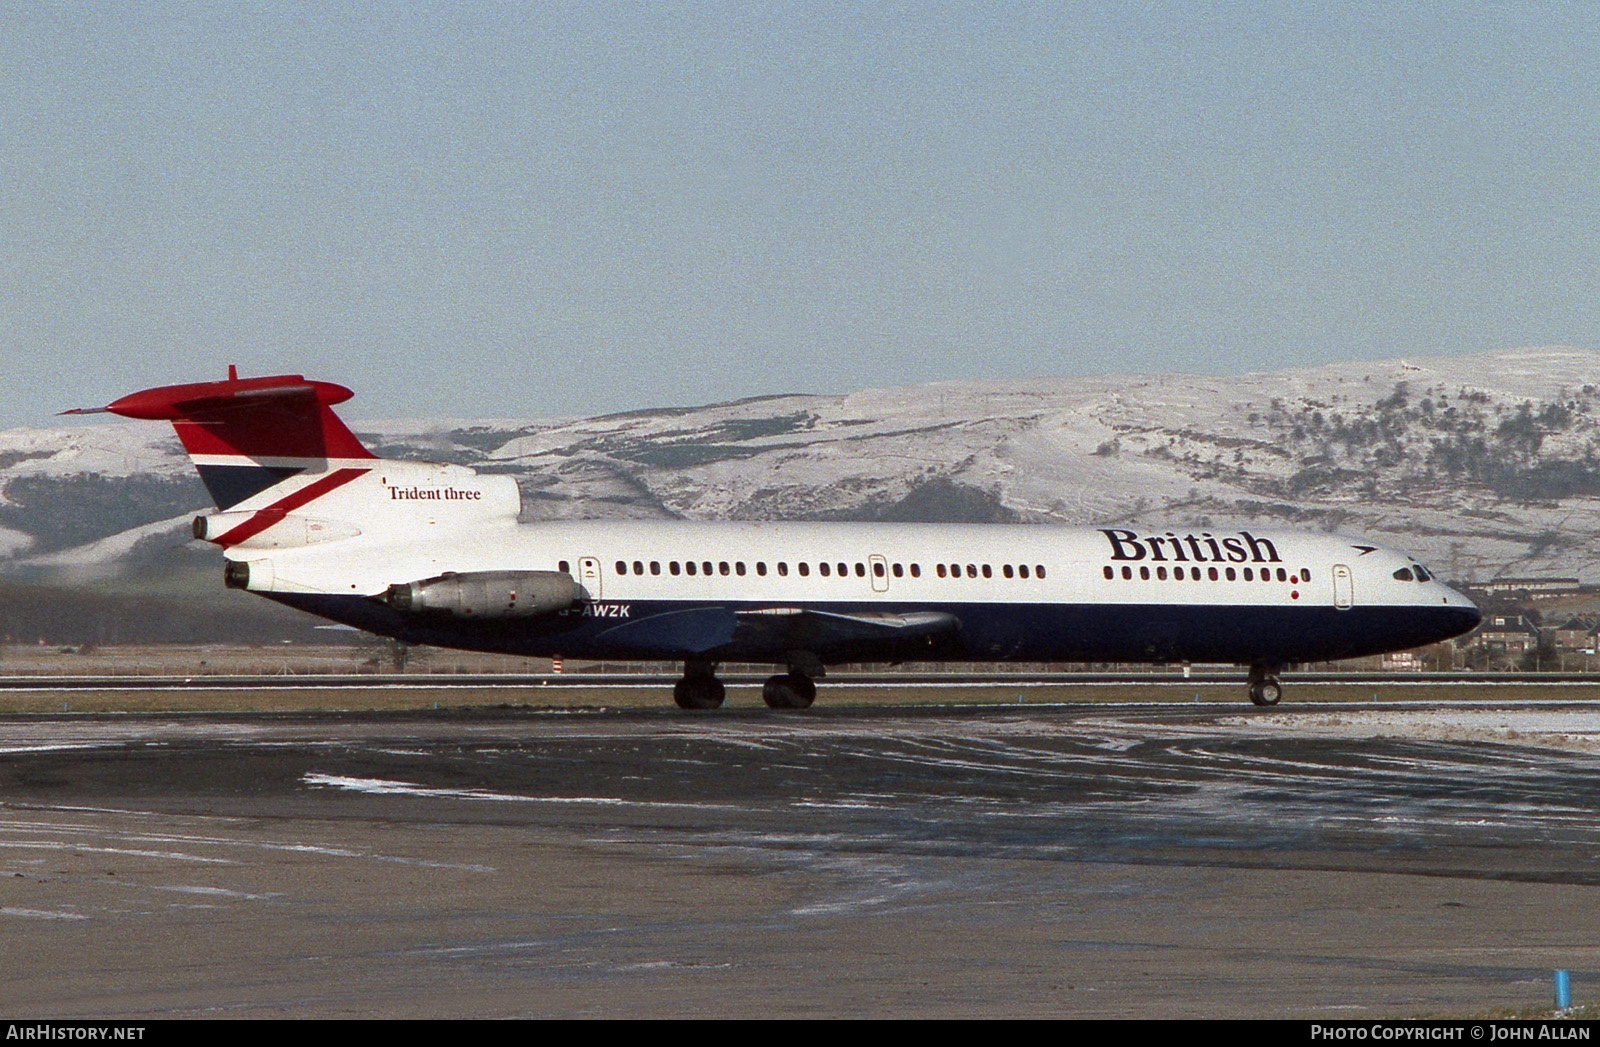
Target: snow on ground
1573,730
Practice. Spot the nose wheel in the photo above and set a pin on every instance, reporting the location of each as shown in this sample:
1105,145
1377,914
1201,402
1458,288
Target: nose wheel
1264,686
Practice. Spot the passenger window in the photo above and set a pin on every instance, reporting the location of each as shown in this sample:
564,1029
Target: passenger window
987,573
1305,575
939,569
738,568
564,567
761,568
1007,571
1109,573
1231,575
844,570
1144,574
824,569
1211,573
1283,576
972,570
898,572
861,570
688,567
1039,570
1127,573
805,569
655,566
1249,575
705,567
1403,575
1161,574
916,571
1023,570
783,569
622,568
1177,572
877,570
723,568
638,567
672,568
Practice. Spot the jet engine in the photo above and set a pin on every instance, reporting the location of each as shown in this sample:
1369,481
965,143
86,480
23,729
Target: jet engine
488,594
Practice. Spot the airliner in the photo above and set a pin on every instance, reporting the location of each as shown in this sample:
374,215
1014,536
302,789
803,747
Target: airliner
435,554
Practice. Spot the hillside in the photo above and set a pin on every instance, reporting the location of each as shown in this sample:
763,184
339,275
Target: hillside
1483,465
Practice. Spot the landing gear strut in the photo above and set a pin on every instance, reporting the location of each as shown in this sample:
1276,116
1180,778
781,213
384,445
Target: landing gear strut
793,690
1264,686
699,688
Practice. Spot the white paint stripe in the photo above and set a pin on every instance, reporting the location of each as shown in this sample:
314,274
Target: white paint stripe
384,787
57,845
6,750
220,892
41,914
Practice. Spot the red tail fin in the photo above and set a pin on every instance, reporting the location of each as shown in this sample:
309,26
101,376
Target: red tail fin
247,434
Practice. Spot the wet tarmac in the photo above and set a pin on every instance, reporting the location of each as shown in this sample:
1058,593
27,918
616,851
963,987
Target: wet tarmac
1330,861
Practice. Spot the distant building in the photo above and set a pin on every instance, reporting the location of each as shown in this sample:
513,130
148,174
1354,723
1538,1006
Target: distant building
1402,662
1575,634
1504,636
1533,587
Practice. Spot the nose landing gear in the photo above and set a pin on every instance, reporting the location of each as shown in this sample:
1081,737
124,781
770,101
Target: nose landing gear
1264,686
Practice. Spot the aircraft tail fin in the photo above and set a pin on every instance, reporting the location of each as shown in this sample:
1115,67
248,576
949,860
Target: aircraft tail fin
245,435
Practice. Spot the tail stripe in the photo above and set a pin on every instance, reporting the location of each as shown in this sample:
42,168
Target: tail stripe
269,515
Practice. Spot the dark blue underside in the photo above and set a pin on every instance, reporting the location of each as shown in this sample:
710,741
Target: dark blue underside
987,632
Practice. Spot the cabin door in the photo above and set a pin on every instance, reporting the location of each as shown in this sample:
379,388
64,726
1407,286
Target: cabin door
1343,588
589,576
880,573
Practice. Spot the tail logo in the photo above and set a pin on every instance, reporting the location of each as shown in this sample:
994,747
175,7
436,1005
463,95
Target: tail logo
267,516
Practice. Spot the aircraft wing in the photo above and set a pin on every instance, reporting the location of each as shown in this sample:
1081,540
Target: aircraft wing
774,632
803,627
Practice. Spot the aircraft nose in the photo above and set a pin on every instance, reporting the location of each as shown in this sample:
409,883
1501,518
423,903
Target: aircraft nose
1464,613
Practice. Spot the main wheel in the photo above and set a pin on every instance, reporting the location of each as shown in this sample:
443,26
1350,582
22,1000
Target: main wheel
699,692
790,691
1266,691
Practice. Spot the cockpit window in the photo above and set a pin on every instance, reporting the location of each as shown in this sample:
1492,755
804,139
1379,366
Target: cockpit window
1403,574
1422,573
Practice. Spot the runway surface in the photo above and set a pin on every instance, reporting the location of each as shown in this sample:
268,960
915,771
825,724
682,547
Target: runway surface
1165,860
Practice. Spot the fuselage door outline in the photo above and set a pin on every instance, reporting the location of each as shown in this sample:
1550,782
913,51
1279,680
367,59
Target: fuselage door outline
878,569
589,576
1343,587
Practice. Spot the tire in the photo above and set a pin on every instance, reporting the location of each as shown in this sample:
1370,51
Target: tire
790,691
699,692
1267,692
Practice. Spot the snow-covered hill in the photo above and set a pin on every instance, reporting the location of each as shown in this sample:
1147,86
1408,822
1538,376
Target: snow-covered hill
1484,465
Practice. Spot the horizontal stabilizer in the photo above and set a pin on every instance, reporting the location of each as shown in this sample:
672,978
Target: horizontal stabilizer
246,435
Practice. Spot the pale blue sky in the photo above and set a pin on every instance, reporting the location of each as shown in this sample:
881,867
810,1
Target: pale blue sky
530,210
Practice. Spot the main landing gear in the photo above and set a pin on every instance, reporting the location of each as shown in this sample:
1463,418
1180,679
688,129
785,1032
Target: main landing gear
1264,686
793,690
796,689
699,688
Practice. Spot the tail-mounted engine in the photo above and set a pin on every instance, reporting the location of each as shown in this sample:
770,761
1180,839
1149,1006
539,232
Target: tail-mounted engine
487,594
